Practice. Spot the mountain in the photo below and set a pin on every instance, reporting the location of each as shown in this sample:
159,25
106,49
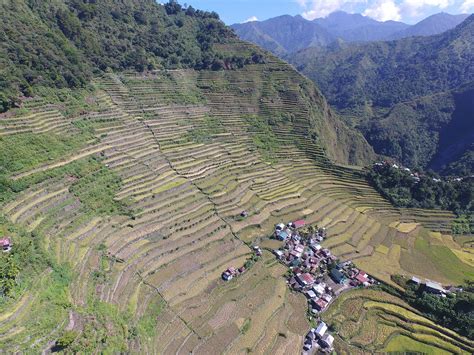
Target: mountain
387,88
284,34
69,46
432,25
358,28
65,49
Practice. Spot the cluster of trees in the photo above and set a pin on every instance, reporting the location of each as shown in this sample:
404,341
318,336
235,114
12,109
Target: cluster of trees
63,43
427,191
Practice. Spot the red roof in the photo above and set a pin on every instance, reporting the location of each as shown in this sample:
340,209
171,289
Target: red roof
362,277
5,242
320,303
299,223
308,278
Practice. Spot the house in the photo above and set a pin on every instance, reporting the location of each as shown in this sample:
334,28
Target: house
319,289
5,244
310,294
298,224
416,280
321,330
279,227
299,248
319,304
282,235
305,279
327,340
244,214
326,297
229,274
362,278
338,276
434,287
278,253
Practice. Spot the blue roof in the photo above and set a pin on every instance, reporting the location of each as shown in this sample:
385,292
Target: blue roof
337,275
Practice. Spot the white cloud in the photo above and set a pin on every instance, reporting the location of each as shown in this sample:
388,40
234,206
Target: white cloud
467,6
251,19
415,7
321,8
384,10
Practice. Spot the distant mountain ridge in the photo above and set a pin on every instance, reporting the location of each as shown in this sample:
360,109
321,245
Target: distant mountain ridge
286,34
432,25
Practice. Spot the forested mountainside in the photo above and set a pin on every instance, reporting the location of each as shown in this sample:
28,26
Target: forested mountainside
408,96
74,40
284,35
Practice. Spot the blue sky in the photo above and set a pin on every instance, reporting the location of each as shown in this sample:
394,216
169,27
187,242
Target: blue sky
410,11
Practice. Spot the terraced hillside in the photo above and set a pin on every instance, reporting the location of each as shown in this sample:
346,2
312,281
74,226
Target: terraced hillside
373,321
144,213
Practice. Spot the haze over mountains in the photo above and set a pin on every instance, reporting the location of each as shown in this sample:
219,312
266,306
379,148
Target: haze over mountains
287,34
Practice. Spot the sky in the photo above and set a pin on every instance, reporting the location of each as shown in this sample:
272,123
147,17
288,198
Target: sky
409,11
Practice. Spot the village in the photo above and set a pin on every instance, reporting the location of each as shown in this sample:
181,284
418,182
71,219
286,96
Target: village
314,272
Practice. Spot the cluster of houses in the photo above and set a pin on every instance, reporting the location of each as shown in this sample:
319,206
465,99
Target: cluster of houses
319,338
5,244
315,273
414,175
232,272
434,287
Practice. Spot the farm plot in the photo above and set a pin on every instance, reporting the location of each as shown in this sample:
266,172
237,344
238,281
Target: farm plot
373,321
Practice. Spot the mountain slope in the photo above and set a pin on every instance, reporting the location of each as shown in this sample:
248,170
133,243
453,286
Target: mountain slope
366,81
68,44
432,25
73,46
284,34
358,28
432,131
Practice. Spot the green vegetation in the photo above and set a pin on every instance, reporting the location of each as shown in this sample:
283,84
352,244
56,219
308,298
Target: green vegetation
24,152
97,191
454,311
411,98
25,262
66,339
263,137
206,130
72,40
406,345
429,191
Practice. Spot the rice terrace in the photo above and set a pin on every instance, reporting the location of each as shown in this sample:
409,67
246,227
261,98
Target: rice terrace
122,204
